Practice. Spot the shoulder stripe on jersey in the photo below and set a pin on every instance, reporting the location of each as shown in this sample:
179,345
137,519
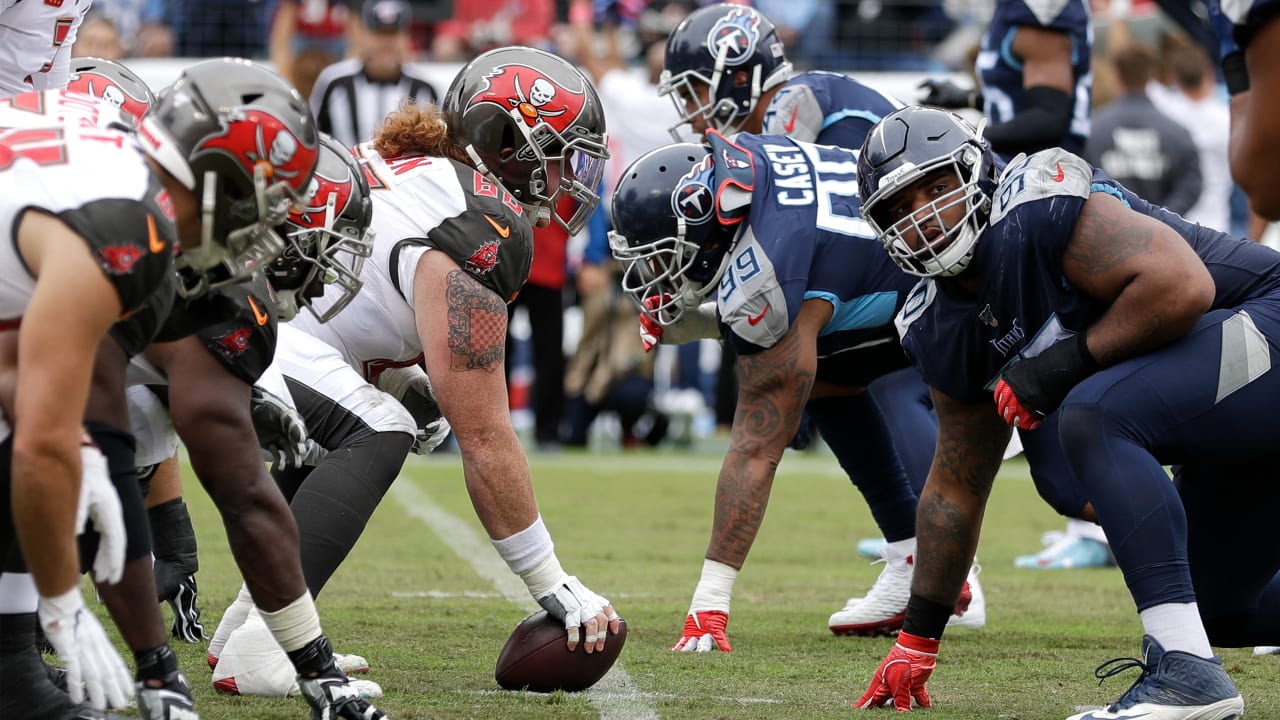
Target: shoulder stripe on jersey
920,297
836,117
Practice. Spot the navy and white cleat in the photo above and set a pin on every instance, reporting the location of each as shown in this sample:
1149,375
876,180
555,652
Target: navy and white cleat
1173,685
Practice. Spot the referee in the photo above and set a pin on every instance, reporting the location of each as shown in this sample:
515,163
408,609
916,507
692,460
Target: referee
351,97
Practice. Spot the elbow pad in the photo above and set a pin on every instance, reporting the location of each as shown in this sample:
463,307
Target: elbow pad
1042,124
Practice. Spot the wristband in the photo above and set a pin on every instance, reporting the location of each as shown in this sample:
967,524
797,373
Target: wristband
715,588
1235,73
527,548
926,618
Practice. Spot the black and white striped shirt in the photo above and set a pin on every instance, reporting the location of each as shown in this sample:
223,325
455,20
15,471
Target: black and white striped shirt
349,106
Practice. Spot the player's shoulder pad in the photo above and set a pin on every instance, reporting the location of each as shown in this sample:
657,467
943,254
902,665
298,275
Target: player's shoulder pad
244,338
488,239
735,178
131,240
918,300
795,111
1048,173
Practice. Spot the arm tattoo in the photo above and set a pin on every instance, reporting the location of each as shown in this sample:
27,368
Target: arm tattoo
775,385
477,324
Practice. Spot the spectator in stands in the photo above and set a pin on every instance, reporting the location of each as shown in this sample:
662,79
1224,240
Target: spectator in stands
141,25
308,36
1141,147
1194,102
351,97
98,37
480,25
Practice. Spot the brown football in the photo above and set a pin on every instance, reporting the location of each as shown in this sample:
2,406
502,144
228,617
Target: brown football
535,658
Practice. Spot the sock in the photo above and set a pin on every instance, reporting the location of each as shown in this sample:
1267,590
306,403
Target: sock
1177,626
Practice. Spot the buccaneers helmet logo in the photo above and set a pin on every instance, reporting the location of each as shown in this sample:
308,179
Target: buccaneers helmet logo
736,34
234,343
692,199
537,97
483,259
119,259
311,215
99,85
258,138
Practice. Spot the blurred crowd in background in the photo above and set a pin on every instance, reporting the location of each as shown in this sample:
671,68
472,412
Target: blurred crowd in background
578,374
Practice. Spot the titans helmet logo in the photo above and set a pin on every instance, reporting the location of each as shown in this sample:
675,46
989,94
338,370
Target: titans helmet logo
692,198
736,35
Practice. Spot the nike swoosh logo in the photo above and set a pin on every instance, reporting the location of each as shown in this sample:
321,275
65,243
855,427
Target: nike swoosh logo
258,315
755,319
1061,175
791,124
154,243
503,230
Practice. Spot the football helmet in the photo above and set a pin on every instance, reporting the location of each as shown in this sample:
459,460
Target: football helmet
533,123
114,83
905,146
711,47
667,231
243,140
327,236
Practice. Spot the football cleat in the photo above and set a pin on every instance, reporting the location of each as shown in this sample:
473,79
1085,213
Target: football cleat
253,663
1173,685
1266,650
1067,552
975,615
333,695
171,701
884,608
186,614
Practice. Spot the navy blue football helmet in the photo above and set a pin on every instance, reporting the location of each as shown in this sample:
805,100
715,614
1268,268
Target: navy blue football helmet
668,232
731,52
904,147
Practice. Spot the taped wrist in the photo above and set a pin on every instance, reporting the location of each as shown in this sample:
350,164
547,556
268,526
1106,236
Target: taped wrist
295,625
544,577
530,554
1043,123
715,587
926,618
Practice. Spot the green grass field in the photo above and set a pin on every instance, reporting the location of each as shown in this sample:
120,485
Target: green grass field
419,600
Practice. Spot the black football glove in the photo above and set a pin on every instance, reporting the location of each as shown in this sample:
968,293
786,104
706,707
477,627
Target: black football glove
1031,388
946,94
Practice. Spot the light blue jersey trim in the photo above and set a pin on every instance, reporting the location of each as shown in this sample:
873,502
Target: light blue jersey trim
1111,190
1006,50
836,117
864,311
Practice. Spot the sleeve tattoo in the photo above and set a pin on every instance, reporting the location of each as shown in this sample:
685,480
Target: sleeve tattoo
477,324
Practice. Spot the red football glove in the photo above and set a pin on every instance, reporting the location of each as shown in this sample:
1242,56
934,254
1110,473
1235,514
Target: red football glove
1011,409
902,675
650,330
704,631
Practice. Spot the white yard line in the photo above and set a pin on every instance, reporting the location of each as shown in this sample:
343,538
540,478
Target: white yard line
616,696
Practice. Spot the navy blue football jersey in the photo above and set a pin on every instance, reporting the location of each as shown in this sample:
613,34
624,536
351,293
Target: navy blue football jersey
804,238
1247,16
1000,72
826,108
961,344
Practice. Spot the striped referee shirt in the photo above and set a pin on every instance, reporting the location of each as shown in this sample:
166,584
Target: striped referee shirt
349,106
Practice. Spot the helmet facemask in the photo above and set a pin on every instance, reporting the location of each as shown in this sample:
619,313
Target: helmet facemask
668,276
325,254
723,114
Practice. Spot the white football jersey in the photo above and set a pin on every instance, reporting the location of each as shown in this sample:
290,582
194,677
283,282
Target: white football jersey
55,150
420,204
35,43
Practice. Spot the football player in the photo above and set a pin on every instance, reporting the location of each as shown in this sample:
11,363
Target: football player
725,69
1250,55
1051,292
35,43
1036,76
519,130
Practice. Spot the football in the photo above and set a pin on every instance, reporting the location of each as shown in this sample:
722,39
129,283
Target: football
535,658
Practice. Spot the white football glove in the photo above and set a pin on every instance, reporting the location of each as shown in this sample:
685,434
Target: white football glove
411,386
91,661
100,502
575,605
282,433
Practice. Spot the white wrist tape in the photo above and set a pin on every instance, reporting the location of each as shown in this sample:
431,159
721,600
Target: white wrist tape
544,577
295,624
527,548
715,588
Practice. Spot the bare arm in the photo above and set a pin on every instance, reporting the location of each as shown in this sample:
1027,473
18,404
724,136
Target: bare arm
1046,58
773,387
1156,285
463,328
971,443
280,48
70,311
1255,131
